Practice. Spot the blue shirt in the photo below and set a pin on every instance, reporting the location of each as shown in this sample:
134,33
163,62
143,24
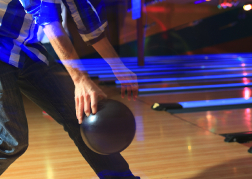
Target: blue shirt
19,22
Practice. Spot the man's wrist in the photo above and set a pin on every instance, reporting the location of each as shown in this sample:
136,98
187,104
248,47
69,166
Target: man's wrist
77,75
80,78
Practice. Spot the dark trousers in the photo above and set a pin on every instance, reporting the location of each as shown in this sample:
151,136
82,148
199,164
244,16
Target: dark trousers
51,88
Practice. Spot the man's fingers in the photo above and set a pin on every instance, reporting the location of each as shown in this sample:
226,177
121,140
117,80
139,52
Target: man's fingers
80,108
129,92
94,102
77,107
87,104
122,91
135,91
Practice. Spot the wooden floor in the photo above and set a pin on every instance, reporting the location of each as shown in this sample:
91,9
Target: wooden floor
180,146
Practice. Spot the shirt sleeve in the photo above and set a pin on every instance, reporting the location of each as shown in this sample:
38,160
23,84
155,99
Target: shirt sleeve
90,18
43,11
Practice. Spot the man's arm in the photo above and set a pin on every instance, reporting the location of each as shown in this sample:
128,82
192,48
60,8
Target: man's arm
106,50
86,92
124,75
64,49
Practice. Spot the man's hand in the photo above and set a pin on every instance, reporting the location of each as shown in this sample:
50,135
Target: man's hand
122,73
87,94
128,81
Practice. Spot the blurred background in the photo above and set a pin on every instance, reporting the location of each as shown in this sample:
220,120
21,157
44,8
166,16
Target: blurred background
175,27
172,27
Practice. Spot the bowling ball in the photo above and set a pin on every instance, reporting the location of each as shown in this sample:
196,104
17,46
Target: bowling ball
110,130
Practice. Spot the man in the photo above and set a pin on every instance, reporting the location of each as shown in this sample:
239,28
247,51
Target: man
25,68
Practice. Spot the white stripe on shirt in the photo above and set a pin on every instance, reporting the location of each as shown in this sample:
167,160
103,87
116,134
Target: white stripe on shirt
75,14
94,34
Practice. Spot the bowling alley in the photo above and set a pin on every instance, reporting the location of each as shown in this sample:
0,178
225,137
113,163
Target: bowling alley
126,89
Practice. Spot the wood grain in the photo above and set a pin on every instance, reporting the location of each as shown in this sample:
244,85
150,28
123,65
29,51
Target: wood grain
182,146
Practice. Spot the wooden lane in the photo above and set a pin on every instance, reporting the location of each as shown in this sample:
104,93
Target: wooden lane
165,146
196,95
221,122
194,83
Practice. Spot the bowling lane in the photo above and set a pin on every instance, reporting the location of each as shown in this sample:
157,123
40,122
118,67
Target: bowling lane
222,121
164,145
194,83
191,150
196,95
150,73
188,78
181,60
172,144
